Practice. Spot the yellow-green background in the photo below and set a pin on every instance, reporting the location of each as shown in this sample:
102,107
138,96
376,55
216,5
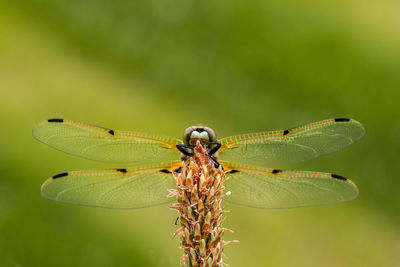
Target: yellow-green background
237,66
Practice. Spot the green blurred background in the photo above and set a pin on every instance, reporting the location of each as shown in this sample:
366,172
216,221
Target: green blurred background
237,66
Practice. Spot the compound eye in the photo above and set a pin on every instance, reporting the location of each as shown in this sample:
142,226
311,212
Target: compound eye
195,134
203,135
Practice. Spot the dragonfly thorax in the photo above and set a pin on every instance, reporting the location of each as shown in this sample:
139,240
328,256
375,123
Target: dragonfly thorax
201,133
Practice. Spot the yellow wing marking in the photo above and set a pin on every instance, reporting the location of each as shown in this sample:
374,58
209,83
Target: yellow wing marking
229,141
104,144
118,133
113,188
276,188
292,145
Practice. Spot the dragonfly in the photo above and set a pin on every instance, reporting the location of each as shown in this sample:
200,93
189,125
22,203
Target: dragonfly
249,161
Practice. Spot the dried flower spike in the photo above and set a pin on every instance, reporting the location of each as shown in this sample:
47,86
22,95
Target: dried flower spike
199,195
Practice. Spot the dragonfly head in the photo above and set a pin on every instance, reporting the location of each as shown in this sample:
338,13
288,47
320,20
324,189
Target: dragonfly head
201,133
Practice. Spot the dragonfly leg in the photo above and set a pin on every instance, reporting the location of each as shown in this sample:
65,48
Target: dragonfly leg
215,149
216,163
185,149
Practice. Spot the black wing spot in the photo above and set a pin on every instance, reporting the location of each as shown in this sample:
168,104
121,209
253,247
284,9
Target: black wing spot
276,171
60,175
111,132
122,170
285,132
55,120
165,171
178,170
233,171
338,177
341,119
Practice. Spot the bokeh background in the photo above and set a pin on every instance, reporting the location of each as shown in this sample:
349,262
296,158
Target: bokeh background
236,66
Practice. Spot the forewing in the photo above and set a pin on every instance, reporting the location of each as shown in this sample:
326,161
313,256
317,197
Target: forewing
275,189
112,188
275,148
103,144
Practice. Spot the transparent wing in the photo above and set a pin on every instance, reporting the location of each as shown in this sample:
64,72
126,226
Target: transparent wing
112,188
275,189
293,145
98,143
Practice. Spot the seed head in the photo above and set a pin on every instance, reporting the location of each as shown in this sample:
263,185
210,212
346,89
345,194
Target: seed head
199,194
